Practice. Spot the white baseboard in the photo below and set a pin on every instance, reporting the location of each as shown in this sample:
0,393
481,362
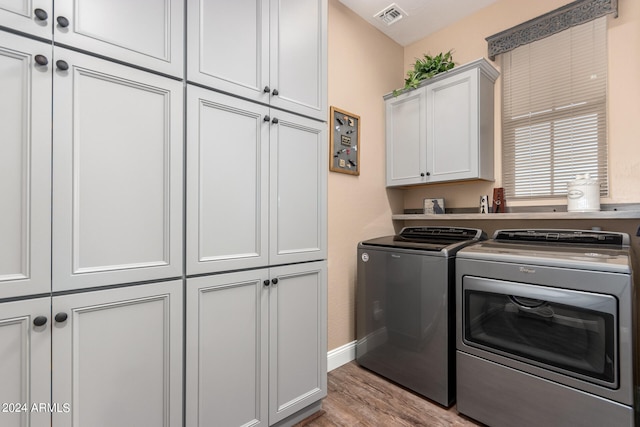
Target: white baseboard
341,355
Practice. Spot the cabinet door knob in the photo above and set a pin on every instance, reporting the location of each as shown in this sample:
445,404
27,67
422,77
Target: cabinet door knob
41,60
267,89
422,174
61,317
62,65
275,92
62,21
428,173
40,321
275,121
267,118
266,283
41,14
274,280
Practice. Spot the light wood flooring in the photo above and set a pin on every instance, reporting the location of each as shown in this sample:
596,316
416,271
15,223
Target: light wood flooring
359,398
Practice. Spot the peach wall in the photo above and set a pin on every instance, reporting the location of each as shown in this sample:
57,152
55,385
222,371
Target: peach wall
467,39
364,64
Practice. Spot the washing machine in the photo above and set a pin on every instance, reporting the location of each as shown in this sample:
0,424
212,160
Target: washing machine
405,319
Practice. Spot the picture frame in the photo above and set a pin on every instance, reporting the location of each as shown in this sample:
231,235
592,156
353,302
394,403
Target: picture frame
433,206
344,142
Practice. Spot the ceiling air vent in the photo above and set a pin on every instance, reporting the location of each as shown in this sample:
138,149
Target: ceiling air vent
390,14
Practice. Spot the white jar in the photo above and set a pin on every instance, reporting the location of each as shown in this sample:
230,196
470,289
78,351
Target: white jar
583,194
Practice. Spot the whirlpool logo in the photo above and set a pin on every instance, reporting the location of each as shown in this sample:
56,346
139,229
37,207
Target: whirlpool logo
527,270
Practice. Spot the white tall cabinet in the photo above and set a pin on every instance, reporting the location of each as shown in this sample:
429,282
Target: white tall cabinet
269,51
443,130
271,359
140,170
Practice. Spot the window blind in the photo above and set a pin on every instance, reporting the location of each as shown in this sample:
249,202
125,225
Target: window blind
554,113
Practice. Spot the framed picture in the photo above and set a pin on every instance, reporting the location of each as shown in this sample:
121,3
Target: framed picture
344,142
433,206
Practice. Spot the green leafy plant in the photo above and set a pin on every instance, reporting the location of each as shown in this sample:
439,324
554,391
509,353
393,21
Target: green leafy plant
426,68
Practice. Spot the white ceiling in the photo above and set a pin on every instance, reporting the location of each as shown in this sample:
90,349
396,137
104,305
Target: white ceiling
423,16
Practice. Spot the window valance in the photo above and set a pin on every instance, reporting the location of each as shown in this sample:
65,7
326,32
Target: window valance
572,14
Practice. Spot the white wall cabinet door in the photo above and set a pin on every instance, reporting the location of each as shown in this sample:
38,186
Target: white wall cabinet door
34,17
227,350
145,33
298,56
406,138
25,162
227,182
25,370
228,46
273,52
298,183
452,128
117,356
297,338
117,167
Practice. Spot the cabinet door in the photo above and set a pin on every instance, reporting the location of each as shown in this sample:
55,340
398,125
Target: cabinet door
298,189
406,138
117,358
228,46
298,56
227,350
25,162
145,33
117,163
227,182
26,363
297,339
452,127
33,17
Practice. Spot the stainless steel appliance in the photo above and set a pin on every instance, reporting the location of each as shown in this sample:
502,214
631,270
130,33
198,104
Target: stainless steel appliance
405,309
546,329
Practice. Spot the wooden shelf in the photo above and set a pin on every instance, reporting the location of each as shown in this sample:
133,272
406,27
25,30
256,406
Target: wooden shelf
519,216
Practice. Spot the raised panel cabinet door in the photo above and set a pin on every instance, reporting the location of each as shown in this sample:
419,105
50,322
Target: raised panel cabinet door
297,338
34,17
406,138
117,167
145,33
228,46
25,368
452,127
25,162
227,182
227,350
298,189
117,356
298,56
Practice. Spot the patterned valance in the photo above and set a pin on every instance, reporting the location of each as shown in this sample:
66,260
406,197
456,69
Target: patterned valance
573,14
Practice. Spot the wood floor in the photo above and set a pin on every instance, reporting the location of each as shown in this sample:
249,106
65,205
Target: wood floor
358,398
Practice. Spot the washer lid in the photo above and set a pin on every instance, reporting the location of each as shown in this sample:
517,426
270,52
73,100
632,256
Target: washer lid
429,238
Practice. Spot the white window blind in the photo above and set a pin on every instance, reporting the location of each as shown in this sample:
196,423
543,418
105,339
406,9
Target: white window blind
554,121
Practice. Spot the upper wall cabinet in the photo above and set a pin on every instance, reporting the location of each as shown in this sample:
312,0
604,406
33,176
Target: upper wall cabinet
117,168
443,131
273,52
34,17
25,162
144,33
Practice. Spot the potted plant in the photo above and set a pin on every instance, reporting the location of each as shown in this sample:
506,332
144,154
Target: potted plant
426,68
